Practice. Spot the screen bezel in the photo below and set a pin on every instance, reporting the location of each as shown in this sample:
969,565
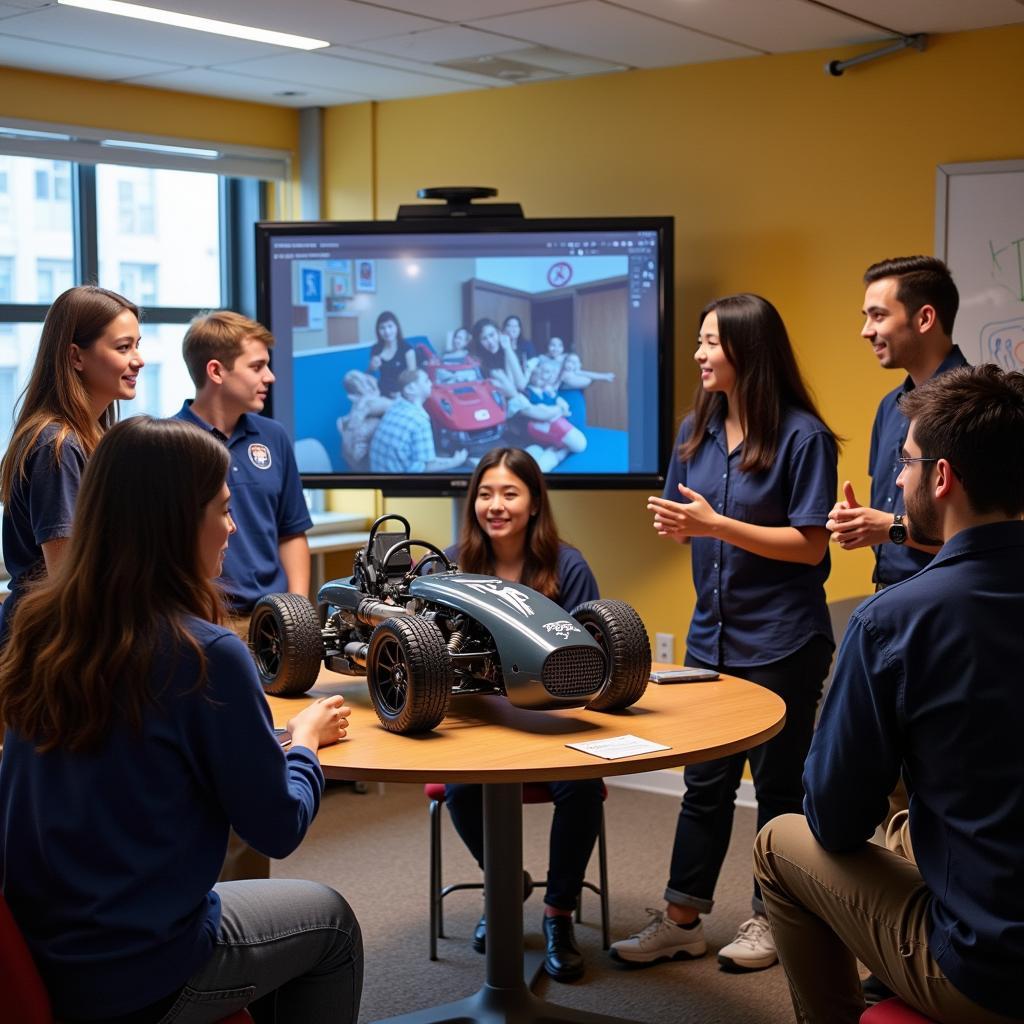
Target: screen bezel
447,484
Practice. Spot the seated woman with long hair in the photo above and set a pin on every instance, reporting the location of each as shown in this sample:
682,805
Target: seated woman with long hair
137,733
509,531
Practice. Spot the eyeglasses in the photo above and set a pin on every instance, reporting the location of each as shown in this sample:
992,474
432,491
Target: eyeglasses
902,461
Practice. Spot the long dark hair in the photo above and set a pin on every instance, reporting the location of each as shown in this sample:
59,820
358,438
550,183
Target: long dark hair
768,381
400,337
55,392
540,562
82,653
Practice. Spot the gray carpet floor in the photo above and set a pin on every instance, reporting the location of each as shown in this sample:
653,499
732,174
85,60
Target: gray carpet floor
373,848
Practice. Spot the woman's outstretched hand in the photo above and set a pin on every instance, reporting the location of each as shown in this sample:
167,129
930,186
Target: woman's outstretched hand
680,520
321,723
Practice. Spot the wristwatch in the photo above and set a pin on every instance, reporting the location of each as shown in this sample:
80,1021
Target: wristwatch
898,531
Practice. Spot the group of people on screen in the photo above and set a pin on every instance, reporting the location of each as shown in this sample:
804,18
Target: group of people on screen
120,791
393,427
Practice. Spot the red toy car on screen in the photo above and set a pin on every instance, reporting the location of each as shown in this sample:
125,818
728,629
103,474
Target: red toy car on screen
466,410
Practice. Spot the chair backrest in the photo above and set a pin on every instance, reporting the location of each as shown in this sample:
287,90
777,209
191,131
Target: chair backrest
21,989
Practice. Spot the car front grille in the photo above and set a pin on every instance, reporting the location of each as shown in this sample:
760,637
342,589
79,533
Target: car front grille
573,671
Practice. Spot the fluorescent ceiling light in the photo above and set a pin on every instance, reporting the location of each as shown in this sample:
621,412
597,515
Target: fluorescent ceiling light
221,28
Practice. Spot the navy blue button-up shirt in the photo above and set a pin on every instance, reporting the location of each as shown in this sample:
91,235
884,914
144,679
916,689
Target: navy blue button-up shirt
895,562
928,680
753,610
266,504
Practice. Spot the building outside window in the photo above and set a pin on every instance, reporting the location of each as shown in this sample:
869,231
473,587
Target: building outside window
52,278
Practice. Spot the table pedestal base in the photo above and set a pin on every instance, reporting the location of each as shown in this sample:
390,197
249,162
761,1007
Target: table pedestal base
505,997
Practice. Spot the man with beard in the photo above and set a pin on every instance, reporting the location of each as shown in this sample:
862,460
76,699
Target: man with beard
927,682
909,308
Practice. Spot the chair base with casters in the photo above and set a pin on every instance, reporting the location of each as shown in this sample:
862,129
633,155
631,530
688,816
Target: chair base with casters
23,995
893,1011
533,793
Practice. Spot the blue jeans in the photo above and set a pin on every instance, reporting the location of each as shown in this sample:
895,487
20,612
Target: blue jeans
289,950
705,820
574,829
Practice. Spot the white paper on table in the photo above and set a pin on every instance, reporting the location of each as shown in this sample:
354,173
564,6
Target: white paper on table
618,746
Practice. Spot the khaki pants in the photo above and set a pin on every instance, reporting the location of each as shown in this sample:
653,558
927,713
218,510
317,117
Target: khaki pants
828,910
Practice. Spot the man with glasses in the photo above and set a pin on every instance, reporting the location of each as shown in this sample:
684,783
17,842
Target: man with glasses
927,682
909,308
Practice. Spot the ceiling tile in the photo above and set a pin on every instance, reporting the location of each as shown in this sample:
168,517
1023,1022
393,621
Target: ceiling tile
467,10
614,34
449,43
775,26
72,26
910,16
337,21
346,75
244,87
67,60
363,55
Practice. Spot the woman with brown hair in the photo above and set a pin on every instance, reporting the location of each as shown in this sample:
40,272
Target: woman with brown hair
88,360
509,531
137,733
750,486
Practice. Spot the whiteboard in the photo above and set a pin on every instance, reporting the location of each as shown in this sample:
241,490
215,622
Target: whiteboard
979,232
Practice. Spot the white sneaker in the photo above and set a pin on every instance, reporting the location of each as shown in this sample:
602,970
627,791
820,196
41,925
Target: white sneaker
753,949
661,939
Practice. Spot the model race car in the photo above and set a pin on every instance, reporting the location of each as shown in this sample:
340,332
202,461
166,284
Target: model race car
466,410
421,637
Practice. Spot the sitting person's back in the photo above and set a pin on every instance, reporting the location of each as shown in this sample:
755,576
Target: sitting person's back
137,733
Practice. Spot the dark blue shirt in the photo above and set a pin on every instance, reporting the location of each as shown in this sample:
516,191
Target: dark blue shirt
753,610
108,858
576,582
895,562
928,680
266,504
41,509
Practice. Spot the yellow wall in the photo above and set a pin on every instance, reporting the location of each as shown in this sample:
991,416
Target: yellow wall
781,180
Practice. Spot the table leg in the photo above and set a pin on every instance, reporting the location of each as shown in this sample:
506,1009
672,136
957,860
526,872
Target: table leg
504,997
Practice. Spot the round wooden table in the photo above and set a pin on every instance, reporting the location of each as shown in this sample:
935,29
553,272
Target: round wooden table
485,739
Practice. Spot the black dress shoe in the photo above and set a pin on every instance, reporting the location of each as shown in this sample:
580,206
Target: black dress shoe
562,959
480,935
480,931
875,990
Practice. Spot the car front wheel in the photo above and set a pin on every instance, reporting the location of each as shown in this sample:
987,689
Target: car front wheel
620,633
409,674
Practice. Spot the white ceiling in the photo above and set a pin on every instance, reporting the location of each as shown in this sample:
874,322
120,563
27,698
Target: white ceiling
394,49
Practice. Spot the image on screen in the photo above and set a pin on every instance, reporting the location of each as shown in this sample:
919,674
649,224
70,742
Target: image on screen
407,355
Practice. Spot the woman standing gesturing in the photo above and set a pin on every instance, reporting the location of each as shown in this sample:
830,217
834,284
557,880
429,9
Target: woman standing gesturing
751,485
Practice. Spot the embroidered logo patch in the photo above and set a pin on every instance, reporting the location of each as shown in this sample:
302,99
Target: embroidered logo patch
259,456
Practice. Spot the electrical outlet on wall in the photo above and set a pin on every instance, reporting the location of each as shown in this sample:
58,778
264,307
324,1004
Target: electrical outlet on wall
664,647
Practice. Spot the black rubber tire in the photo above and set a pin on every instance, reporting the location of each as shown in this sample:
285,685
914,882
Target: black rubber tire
616,626
409,674
286,643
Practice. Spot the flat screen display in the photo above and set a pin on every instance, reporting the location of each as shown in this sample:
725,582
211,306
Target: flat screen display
405,350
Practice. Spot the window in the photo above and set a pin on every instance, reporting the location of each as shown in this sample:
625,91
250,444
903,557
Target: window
158,236
52,278
138,281
136,214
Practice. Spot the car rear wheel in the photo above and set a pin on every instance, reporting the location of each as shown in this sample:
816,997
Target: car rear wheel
286,643
620,633
409,674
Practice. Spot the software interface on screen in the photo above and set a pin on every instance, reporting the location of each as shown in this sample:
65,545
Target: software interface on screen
395,352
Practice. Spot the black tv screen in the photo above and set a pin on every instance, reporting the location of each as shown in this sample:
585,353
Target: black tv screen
567,350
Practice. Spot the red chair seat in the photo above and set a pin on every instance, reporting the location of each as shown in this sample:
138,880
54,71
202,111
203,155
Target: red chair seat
893,1011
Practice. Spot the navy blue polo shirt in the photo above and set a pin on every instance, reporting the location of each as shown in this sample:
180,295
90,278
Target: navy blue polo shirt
753,610
927,681
41,509
895,562
267,505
